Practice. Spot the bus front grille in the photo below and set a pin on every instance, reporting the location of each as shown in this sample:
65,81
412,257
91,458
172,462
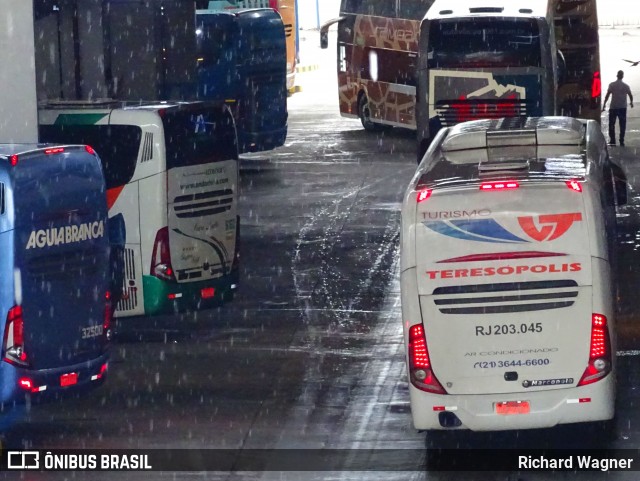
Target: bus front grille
505,297
452,112
203,203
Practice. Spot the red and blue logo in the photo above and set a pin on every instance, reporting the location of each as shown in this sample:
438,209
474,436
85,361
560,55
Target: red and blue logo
548,227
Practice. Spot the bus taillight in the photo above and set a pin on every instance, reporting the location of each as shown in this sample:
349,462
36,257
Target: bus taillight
599,364
13,344
54,150
420,369
273,4
423,195
503,185
596,85
574,185
161,257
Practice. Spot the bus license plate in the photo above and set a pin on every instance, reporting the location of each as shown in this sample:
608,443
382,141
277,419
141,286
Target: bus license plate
508,408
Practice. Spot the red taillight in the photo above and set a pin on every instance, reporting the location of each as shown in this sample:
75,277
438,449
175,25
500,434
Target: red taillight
13,160
13,345
574,185
420,371
90,149
599,351
503,185
273,4
423,195
101,374
55,150
596,85
161,257
26,384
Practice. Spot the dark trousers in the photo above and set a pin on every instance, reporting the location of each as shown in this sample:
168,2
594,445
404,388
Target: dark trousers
621,114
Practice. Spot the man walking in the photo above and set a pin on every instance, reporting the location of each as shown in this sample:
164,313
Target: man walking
618,91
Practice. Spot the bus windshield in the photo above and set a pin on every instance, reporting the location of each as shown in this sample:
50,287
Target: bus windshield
484,42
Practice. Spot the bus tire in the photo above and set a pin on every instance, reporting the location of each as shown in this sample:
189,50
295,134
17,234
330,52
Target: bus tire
365,114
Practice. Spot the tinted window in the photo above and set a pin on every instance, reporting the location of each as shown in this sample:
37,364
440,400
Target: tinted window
481,42
117,146
199,136
213,43
414,9
379,8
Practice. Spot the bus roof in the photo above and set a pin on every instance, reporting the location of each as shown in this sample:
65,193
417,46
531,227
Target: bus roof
19,149
442,9
110,104
238,12
548,148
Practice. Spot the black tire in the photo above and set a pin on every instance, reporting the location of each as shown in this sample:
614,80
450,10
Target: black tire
365,115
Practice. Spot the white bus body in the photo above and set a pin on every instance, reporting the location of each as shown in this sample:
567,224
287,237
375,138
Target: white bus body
172,172
507,297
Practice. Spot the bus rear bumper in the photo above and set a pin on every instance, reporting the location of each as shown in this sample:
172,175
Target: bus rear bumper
591,403
19,385
171,297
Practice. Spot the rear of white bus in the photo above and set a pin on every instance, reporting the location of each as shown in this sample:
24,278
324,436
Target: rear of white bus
507,305
194,262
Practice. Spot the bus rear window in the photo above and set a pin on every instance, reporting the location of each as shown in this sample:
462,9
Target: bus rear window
213,44
200,136
117,146
484,42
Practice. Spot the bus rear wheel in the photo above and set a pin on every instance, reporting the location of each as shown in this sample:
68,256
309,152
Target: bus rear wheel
364,112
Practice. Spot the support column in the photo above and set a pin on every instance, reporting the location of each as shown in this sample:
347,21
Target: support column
18,101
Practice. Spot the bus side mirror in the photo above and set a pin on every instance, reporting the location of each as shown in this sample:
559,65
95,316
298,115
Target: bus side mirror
324,38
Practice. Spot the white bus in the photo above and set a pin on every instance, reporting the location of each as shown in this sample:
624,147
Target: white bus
506,283
172,171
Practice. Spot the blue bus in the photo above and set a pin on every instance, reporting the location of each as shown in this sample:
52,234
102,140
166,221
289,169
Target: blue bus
55,306
242,61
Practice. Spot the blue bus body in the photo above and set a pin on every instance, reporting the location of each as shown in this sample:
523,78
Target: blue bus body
55,309
242,60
